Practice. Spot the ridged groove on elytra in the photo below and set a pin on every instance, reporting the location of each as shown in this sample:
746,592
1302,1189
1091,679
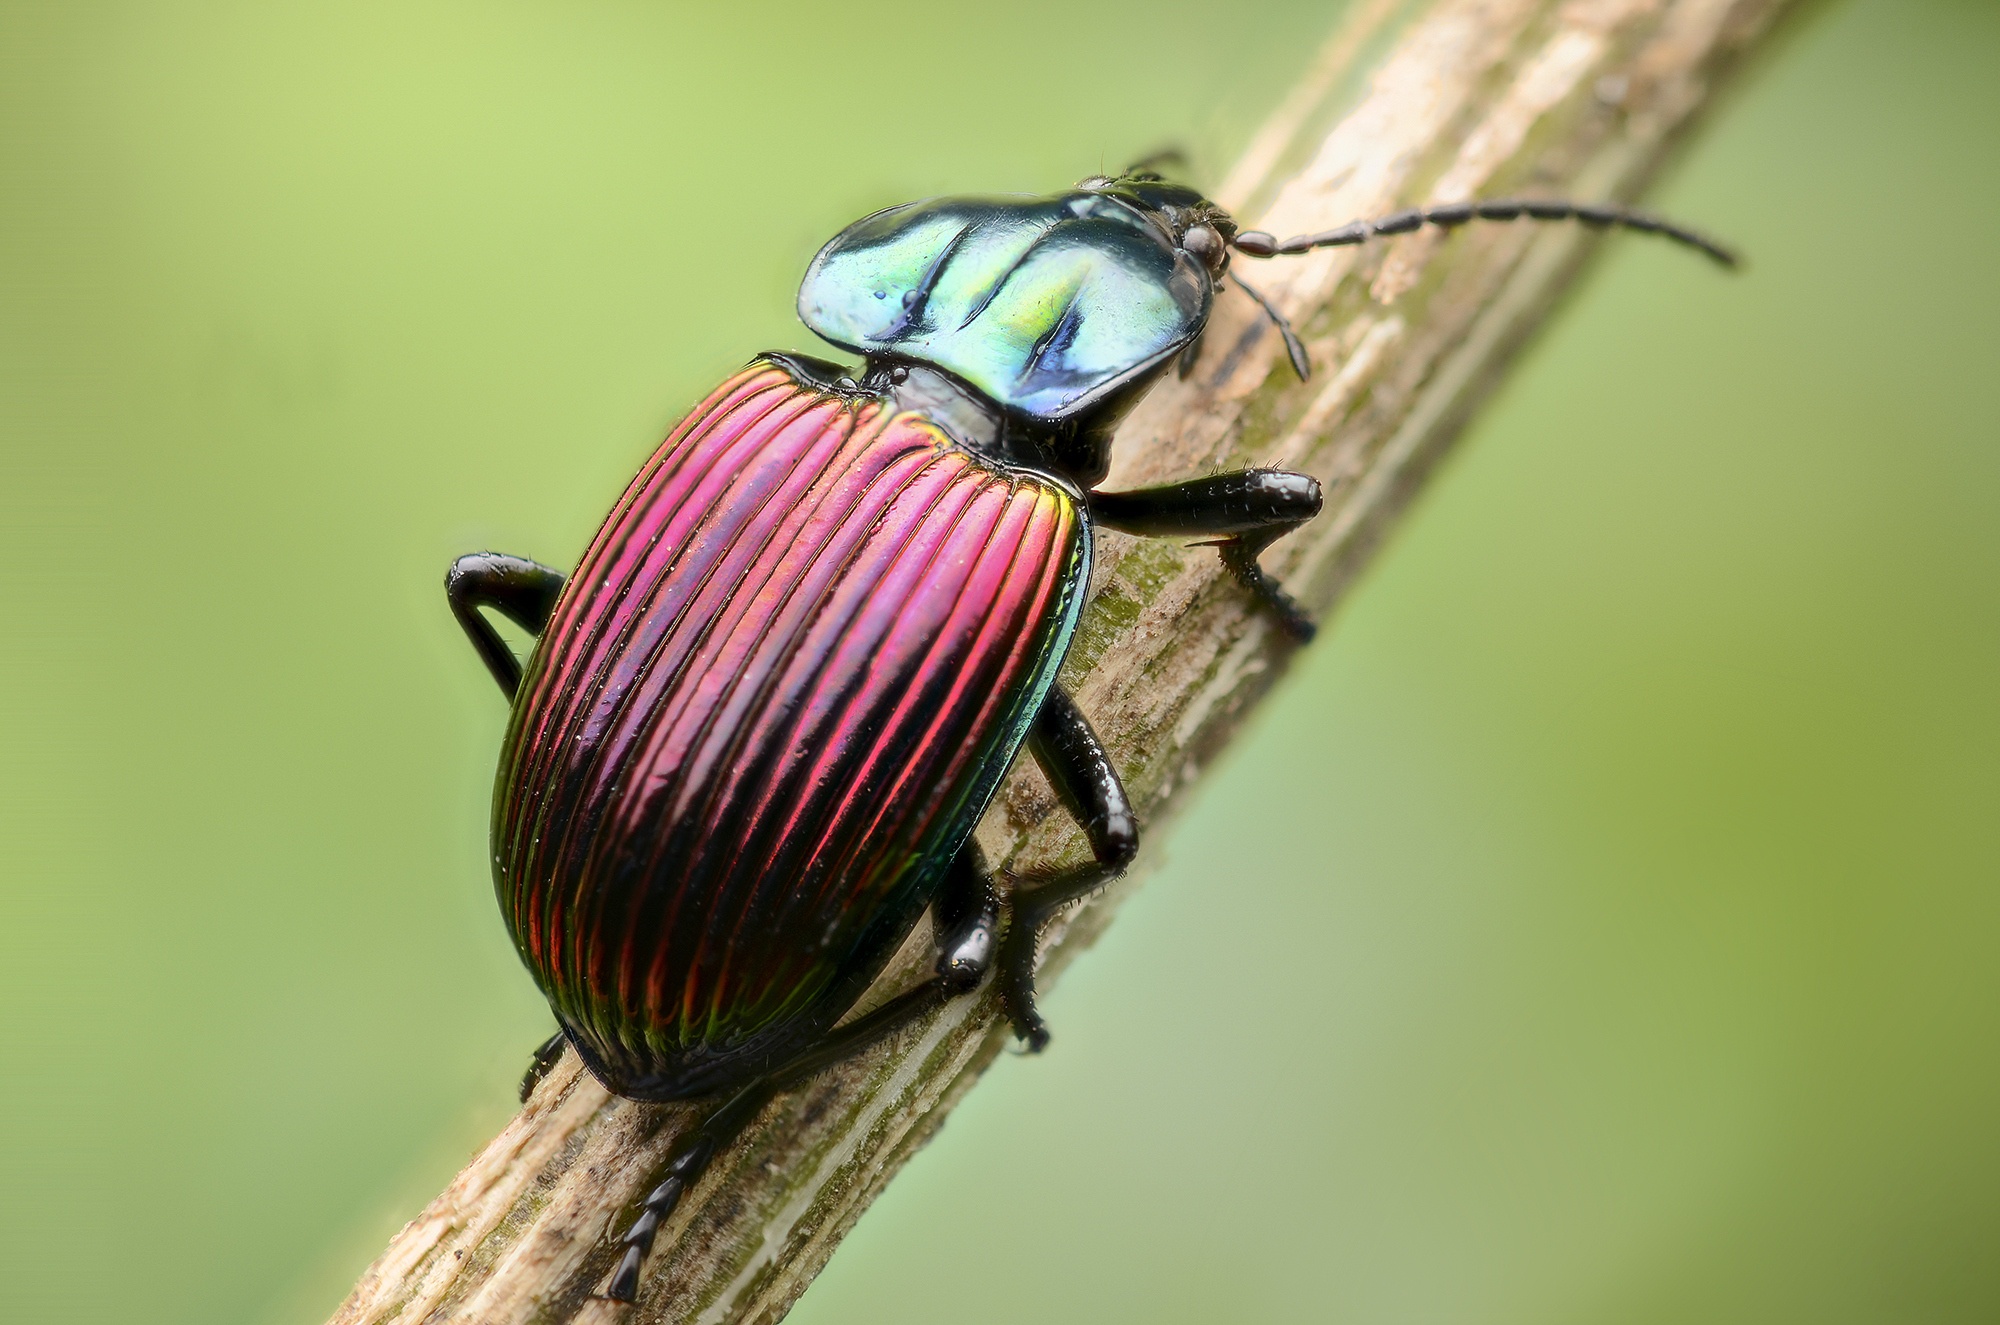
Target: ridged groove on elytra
768,750
609,642
728,908
657,995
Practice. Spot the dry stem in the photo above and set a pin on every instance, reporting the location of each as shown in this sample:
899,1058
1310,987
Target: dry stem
1425,101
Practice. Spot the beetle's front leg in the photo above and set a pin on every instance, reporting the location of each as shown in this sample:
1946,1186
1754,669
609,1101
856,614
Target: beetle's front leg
1081,772
1243,512
523,591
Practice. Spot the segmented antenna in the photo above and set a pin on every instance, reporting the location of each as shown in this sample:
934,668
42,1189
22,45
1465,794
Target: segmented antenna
1259,244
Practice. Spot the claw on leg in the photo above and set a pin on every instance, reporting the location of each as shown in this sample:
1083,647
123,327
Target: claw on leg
1017,984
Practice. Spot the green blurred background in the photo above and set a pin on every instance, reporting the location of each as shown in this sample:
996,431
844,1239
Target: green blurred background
1599,926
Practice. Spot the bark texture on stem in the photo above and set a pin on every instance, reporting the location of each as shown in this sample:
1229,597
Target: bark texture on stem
1417,102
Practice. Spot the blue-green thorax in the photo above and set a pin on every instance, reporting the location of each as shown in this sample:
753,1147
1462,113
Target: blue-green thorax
1048,306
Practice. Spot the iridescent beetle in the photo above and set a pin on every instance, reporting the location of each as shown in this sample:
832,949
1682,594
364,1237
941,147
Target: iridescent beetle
762,717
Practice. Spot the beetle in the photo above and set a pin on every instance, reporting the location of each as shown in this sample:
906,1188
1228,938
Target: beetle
760,720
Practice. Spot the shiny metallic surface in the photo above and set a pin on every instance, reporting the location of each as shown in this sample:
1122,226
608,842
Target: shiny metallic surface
1047,305
770,704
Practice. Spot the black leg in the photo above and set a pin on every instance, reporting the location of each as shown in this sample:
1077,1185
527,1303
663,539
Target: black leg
1246,511
523,591
968,922
1070,754
968,918
697,1148
540,1065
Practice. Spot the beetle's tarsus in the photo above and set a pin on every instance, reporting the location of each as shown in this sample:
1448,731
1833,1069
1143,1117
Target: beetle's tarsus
543,1063
700,1146
1088,786
1239,556
1247,511
1030,1030
1017,984
624,1286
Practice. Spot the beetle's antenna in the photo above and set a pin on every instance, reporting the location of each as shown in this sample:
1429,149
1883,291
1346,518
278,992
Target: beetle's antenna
1293,345
1258,244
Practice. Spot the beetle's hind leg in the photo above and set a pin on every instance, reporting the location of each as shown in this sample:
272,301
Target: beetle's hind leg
697,1148
523,591
1081,772
1243,512
968,924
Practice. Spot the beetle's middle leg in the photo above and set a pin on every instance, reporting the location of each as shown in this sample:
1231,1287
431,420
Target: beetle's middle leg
1244,512
967,915
1088,786
524,591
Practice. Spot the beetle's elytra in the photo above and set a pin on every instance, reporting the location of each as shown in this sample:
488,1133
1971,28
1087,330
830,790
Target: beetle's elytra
762,717
733,784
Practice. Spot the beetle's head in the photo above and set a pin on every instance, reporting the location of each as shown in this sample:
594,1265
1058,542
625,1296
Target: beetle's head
1196,226
1203,232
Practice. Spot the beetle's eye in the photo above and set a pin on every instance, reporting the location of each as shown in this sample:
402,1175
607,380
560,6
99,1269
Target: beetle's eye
1202,242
